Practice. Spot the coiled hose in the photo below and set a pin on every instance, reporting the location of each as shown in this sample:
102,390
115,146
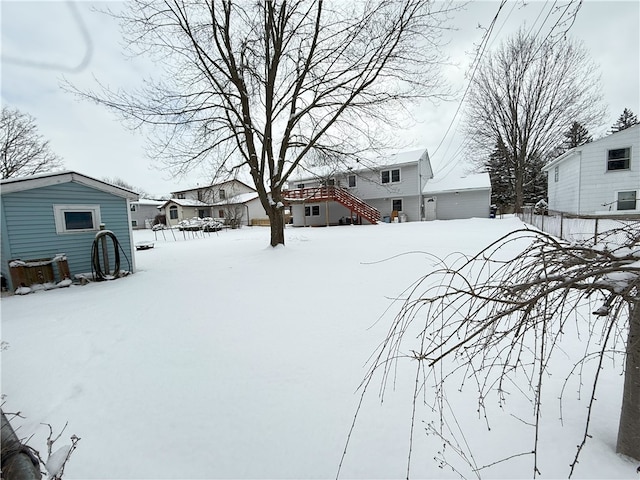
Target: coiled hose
97,269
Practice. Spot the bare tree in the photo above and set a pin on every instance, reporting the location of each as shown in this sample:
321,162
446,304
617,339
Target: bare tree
497,320
264,85
119,182
526,95
23,150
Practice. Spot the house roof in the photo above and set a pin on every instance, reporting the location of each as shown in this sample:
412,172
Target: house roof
358,165
215,185
184,202
631,131
237,199
148,201
21,184
455,182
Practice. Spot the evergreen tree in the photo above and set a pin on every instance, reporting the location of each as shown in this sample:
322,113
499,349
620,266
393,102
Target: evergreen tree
502,175
626,120
501,168
576,135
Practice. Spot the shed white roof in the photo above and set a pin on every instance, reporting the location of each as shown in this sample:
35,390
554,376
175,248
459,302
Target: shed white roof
456,181
20,184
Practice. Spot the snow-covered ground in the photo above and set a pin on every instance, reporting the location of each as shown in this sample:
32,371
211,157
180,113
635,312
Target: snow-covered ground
224,358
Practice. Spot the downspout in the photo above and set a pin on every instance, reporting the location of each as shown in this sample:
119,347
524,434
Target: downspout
248,219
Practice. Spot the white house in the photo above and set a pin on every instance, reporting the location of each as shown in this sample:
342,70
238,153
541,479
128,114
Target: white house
405,186
231,201
598,178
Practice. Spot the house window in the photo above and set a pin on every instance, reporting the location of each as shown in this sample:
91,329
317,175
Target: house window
223,194
181,196
352,181
134,223
391,176
556,174
396,205
627,200
331,182
173,212
313,210
133,207
618,159
300,185
76,218
220,213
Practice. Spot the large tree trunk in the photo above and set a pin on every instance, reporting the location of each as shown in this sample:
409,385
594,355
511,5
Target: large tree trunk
276,219
629,429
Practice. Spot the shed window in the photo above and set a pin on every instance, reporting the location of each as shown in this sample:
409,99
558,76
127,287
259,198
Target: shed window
618,159
76,218
173,212
627,200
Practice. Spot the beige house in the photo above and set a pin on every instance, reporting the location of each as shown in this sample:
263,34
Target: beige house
232,202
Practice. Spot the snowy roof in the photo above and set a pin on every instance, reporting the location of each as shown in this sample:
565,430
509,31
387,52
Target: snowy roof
323,171
20,184
185,202
457,181
212,186
147,201
237,199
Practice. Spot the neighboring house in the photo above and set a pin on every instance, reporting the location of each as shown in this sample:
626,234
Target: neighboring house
144,212
232,201
179,209
211,194
57,215
598,178
243,208
404,186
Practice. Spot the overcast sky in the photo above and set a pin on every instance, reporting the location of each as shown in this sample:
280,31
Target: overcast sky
42,42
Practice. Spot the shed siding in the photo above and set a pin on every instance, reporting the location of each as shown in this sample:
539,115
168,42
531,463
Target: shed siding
473,204
29,224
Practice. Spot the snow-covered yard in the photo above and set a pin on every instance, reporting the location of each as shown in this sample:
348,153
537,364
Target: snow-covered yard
224,358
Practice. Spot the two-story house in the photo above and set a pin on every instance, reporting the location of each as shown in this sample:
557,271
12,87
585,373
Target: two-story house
402,187
230,201
598,178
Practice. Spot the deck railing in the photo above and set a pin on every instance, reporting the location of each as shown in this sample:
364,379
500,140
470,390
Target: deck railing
337,194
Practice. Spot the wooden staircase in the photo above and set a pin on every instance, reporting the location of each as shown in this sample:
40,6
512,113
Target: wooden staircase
336,194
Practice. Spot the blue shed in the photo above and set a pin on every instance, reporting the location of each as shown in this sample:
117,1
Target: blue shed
57,215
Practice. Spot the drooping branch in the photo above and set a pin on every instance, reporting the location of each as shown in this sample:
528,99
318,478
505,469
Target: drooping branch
500,316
